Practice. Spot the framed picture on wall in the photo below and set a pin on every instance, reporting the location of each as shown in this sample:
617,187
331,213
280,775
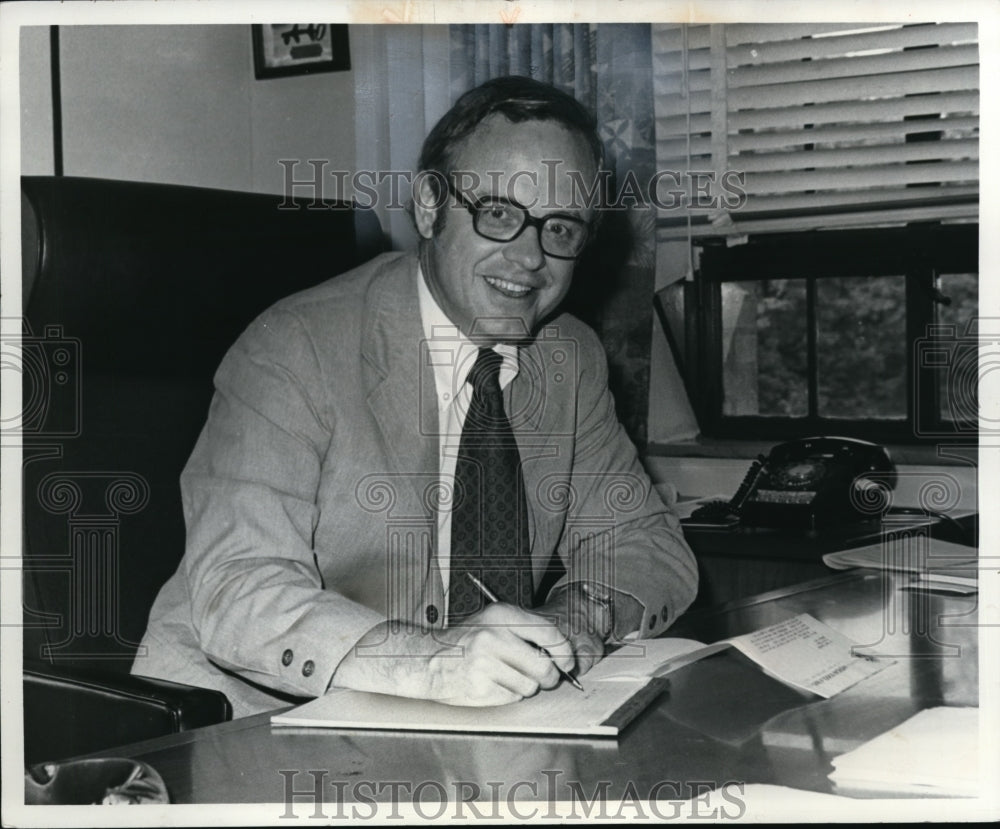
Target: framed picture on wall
283,49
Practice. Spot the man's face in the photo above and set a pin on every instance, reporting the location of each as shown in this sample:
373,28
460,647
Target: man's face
503,290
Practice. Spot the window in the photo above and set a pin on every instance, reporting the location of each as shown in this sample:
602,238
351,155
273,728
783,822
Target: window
861,332
825,177
776,127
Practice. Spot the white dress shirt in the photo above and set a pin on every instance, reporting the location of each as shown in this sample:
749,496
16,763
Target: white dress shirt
452,356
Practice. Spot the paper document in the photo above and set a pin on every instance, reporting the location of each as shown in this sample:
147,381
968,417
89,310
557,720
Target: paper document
943,582
801,652
917,554
805,653
934,753
643,658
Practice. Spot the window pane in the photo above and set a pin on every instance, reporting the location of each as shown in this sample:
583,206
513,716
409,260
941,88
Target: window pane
764,360
958,376
861,346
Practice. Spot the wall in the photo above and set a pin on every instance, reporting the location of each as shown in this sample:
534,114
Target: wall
36,102
178,104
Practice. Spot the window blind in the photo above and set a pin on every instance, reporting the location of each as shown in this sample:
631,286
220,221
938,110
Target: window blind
777,127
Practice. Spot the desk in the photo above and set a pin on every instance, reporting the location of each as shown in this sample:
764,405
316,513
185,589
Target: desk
743,561
663,754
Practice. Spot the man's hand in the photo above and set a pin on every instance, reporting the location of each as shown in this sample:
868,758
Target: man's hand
572,619
492,658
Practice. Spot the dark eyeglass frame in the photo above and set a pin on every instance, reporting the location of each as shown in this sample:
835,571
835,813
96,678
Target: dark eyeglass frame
474,208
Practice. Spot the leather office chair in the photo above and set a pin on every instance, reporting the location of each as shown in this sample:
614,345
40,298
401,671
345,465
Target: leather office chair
132,294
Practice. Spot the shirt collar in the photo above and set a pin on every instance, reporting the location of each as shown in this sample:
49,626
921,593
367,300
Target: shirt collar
451,352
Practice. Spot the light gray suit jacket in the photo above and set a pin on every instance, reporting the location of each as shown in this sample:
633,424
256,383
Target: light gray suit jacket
309,497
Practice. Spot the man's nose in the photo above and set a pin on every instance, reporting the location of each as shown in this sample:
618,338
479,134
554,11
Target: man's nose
526,250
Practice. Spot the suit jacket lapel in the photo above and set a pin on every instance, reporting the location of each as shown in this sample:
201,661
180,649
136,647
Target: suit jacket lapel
540,415
402,398
400,389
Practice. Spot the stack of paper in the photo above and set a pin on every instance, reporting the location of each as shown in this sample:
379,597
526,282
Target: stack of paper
917,554
933,754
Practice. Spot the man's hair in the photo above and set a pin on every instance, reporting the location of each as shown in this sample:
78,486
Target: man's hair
518,98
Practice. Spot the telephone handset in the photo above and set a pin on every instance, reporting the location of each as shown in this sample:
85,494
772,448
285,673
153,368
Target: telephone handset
810,483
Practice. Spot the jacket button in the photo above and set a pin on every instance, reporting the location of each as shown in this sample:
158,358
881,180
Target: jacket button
432,614
308,667
286,657
652,621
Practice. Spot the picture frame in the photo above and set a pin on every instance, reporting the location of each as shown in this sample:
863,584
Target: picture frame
284,49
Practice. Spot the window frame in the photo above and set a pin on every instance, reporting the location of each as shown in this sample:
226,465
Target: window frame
920,251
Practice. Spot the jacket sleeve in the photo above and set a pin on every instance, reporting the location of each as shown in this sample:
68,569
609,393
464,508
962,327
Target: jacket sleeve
618,531
259,605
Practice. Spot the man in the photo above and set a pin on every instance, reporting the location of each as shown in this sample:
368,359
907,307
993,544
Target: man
352,474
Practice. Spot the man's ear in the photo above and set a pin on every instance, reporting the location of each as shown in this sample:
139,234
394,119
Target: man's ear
425,207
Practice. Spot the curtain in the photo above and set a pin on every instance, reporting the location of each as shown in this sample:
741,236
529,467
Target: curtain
401,83
608,68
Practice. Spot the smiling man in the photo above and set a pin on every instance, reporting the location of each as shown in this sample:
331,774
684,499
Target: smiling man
508,289
412,479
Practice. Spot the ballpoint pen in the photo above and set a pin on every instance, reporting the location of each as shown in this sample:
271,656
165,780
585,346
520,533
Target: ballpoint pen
572,680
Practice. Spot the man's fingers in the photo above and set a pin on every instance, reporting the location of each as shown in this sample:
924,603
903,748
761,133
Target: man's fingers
516,680
532,646
532,628
499,655
519,664
532,663
589,650
496,668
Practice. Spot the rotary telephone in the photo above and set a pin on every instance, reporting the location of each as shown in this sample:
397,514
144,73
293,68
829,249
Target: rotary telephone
809,484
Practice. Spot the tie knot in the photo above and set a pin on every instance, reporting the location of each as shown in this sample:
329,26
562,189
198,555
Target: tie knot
485,374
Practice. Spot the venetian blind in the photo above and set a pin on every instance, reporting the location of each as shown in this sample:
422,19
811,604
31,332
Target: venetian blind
822,125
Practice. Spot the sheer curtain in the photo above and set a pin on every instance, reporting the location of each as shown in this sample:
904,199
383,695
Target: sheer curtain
401,83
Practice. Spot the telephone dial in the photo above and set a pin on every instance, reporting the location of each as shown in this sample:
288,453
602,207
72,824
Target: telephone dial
810,484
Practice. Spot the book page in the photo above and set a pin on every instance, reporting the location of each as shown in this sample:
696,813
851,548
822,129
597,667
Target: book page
642,658
807,654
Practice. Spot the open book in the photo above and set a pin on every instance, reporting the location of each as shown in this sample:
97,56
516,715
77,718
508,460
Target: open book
800,651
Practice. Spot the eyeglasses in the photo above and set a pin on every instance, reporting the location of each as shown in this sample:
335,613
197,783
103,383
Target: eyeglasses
501,220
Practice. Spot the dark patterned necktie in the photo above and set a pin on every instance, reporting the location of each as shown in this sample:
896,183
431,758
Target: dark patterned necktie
489,519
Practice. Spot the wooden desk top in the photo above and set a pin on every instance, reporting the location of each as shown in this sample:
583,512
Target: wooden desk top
720,721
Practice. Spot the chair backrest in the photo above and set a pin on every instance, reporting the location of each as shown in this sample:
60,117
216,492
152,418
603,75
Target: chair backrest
133,293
